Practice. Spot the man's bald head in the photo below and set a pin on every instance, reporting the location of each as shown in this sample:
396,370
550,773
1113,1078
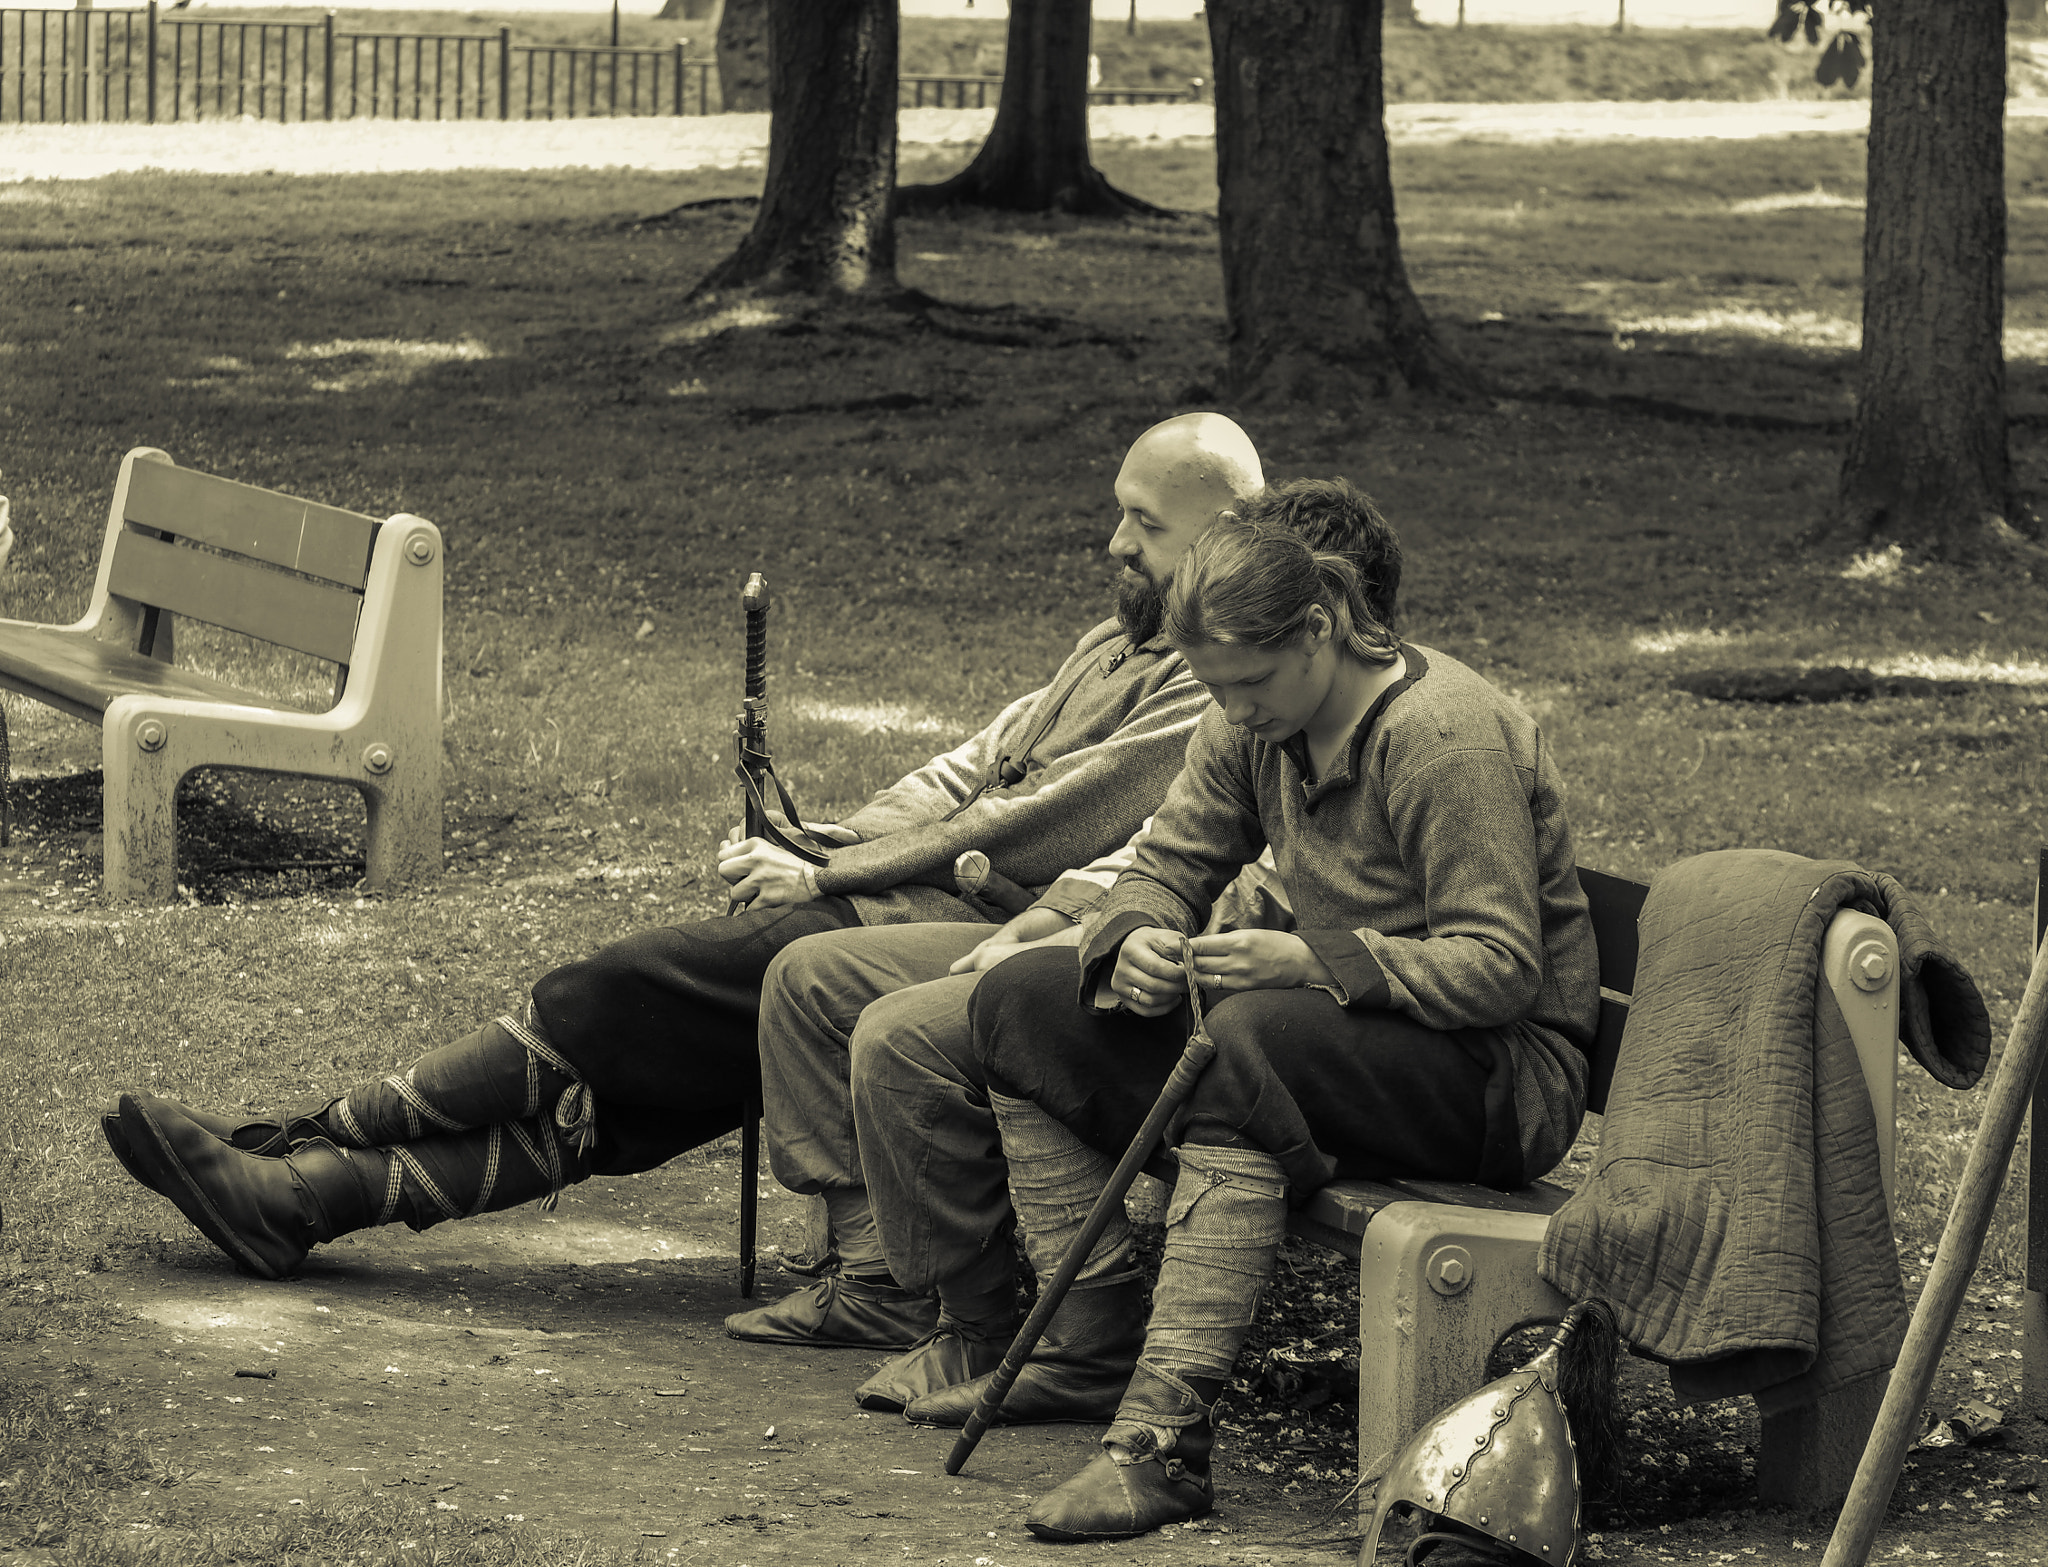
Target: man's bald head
1177,479
1199,459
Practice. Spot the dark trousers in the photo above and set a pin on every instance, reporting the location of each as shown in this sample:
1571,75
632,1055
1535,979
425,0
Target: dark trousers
661,1026
1327,1090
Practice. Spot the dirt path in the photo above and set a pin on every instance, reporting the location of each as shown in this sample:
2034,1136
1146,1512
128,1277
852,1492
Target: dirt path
569,1371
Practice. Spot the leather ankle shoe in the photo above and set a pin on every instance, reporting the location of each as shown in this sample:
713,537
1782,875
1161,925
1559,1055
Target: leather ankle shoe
840,1312
942,1358
264,1138
1116,1498
1140,1481
1044,1393
1078,1371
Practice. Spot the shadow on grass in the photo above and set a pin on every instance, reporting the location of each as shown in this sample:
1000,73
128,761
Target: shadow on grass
240,836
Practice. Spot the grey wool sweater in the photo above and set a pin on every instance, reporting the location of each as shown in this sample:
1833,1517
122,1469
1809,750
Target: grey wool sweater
1431,871
1119,723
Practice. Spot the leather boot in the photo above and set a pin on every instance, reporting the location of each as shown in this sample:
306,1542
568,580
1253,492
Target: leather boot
1138,1482
265,1213
840,1312
1078,1371
256,1135
947,1356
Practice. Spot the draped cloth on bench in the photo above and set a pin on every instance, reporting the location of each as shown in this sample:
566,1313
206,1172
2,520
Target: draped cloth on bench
1734,1216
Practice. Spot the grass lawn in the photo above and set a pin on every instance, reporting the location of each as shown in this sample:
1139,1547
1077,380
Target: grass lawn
500,354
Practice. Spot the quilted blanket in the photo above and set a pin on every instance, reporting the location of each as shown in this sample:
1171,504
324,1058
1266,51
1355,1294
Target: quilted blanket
1734,1217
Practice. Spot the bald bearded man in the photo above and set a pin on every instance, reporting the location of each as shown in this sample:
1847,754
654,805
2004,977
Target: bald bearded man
1176,480
619,1062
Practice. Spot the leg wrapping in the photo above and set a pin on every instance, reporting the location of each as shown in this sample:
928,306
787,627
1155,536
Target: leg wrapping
479,1171
1055,1179
1224,1224
507,1071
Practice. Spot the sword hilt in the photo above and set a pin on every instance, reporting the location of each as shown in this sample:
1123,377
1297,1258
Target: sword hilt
754,600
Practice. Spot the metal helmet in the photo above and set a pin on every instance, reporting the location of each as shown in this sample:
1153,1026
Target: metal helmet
1500,1461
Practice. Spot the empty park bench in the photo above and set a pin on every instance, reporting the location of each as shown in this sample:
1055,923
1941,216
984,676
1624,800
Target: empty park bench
1446,1270
356,593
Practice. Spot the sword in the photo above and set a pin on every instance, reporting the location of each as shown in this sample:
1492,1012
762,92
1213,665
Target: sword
755,768
752,764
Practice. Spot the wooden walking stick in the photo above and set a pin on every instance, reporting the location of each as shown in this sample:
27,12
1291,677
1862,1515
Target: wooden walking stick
1962,1240
1180,1083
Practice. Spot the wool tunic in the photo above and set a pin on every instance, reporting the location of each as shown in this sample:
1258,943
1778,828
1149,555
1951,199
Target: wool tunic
1110,733
1431,871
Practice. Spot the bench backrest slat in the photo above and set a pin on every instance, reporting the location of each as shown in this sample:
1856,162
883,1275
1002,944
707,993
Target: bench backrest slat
242,519
1615,903
294,612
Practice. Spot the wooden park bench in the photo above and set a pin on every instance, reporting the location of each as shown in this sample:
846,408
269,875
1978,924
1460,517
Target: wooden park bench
1446,1271
356,593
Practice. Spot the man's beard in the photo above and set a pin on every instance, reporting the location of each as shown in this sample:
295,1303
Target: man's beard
1140,608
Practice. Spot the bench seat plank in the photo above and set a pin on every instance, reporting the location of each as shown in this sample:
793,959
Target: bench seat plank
1337,1215
1543,1197
81,676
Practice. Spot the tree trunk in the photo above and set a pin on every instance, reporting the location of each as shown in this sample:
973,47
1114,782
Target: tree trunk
743,57
1036,156
1318,302
824,226
1927,464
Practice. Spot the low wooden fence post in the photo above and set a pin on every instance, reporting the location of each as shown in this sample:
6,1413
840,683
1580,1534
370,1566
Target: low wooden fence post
679,78
152,62
327,65
504,73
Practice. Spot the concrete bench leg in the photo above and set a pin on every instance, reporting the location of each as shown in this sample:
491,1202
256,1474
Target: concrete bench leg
403,838
1807,1457
1437,1288
139,834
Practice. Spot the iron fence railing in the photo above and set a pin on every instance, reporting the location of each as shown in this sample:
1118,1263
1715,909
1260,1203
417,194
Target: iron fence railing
85,66
981,92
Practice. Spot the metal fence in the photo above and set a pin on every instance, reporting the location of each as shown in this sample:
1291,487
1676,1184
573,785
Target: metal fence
87,66
981,92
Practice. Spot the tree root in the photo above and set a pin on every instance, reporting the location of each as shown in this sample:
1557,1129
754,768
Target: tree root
887,313
689,209
1088,196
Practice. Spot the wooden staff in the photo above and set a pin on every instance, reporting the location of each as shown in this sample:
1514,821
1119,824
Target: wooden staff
1962,1240
1180,1083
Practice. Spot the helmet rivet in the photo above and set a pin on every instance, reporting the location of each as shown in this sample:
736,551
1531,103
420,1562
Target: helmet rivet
1482,1518
1479,1441
1511,1539
1457,1469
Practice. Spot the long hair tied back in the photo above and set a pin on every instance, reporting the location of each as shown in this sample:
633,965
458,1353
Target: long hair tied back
1252,584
